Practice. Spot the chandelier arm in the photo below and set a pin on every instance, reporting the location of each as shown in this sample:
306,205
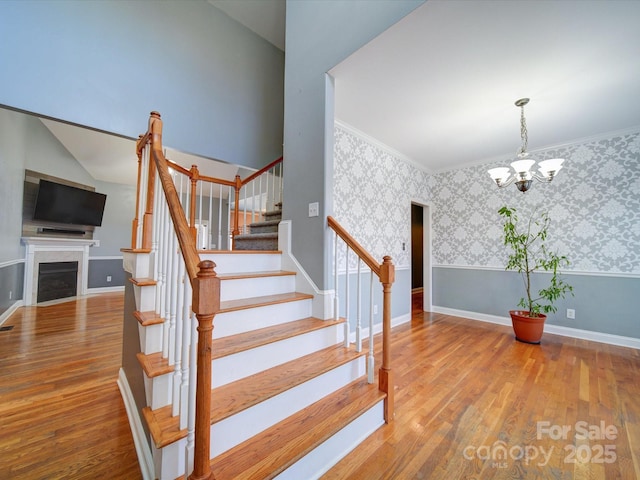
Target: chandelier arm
512,178
541,178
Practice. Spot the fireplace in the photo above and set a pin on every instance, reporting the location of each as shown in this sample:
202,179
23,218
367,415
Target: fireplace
57,280
59,250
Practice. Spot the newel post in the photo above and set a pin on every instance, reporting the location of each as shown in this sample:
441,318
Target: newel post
134,227
155,128
206,302
385,375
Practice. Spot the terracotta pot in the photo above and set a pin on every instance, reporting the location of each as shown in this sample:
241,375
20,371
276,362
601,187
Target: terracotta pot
527,329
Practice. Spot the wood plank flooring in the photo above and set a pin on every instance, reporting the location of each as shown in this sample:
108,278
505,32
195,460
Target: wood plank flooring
464,389
61,413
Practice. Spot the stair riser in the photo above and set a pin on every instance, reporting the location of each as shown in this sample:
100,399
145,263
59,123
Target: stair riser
238,428
234,367
244,263
313,465
259,286
231,323
264,229
257,244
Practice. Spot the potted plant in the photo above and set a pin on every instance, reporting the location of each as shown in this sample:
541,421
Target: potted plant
530,254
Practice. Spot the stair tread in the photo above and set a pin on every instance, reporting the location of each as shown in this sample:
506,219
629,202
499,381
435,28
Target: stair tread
143,282
249,391
275,449
153,364
273,273
148,318
224,346
244,303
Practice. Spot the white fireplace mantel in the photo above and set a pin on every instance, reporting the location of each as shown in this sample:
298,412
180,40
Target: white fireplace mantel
55,249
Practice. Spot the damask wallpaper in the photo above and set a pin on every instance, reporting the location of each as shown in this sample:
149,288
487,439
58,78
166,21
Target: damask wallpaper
373,190
594,204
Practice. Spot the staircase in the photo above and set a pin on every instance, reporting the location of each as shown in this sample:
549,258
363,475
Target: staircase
261,235
288,398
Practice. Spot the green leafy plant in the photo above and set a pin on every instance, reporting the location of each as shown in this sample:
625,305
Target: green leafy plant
529,254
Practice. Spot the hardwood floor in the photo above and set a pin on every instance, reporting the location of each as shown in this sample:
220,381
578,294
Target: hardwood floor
61,413
464,389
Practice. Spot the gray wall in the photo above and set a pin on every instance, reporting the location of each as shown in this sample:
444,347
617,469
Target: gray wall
107,64
601,303
319,35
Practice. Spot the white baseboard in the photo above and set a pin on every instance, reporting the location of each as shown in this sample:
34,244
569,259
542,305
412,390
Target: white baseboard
377,327
9,311
145,458
601,337
105,289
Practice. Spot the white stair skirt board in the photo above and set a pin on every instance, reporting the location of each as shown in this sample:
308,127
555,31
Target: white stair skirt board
137,264
239,321
145,297
236,429
242,364
158,390
150,338
243,287
244,263
317,462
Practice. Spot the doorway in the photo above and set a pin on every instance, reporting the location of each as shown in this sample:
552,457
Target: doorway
420,258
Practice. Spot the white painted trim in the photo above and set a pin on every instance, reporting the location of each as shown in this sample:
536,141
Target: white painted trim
119,288
145,459
11,262
601,337
322,299
107,257
9,311
563,272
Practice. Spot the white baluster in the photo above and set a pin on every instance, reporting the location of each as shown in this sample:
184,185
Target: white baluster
191,421
220,218
347,315
173,300
358,310
336,300
166,266
229,233
187,343
179,339
371,360
209,231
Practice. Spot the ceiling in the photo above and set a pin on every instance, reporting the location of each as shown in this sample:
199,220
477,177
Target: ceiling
438,88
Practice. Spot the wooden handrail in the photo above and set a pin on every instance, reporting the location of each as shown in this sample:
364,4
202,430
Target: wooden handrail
354,245
264,169
386,274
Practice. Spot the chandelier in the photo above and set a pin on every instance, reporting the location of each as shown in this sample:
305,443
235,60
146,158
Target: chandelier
523,176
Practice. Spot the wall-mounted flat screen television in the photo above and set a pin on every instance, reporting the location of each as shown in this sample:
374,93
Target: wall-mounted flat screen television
64,204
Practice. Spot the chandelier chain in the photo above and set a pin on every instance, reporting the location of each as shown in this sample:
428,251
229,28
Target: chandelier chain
523,133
